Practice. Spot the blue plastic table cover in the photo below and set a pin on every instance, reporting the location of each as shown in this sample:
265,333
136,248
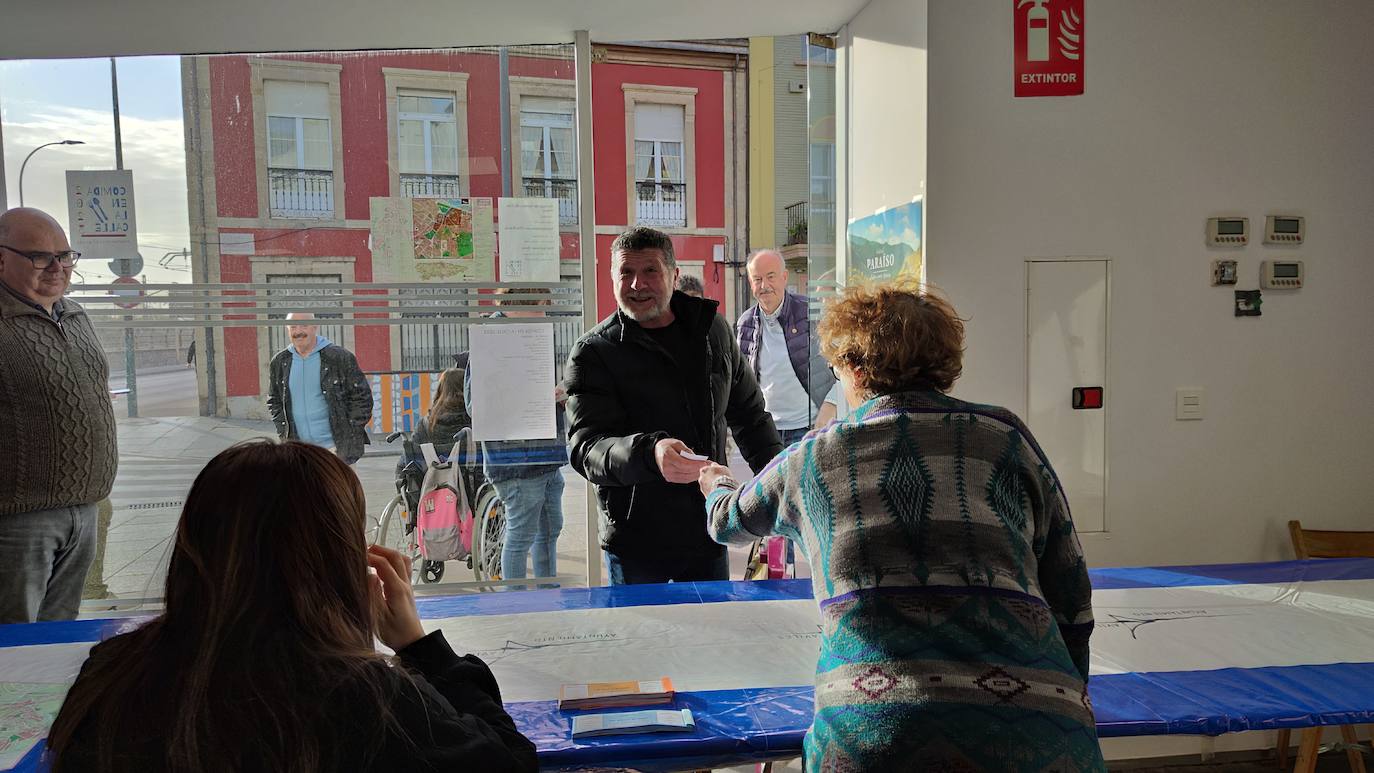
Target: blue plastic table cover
737,726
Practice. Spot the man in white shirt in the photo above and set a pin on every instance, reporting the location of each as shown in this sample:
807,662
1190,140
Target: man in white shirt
775,337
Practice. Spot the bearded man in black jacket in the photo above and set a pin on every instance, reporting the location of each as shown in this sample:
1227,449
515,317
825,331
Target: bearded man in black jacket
660,378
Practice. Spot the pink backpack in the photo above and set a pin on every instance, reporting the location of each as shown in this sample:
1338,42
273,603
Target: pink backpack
445,520
767,559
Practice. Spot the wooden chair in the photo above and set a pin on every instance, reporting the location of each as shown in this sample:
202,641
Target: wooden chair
1312,543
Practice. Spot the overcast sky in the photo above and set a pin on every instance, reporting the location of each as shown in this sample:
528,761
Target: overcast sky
47,100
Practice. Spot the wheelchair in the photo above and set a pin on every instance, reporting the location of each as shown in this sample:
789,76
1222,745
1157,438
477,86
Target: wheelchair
396,525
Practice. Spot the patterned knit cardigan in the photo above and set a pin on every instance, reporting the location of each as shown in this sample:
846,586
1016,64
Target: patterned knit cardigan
954,600
57,427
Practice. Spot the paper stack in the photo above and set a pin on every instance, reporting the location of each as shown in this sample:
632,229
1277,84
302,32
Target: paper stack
611,695
652,721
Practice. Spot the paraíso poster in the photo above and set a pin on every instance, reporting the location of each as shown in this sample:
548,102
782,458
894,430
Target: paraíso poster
887,244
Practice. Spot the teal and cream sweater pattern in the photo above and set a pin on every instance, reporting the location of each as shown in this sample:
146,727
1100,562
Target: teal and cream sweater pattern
955,603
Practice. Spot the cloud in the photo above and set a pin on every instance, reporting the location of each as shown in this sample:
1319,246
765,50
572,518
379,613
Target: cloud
154,149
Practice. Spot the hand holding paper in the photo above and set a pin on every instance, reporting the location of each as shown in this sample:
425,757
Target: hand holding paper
671,456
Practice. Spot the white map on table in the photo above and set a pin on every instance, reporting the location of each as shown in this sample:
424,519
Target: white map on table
722,646
1233,626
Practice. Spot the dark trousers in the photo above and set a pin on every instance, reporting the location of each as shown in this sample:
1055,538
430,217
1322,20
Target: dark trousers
668,568
790,436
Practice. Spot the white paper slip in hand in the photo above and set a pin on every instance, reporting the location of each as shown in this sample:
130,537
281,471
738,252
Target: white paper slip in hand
651,721
694,457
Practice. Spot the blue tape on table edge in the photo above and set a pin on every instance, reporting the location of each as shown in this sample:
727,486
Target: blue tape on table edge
1233,574
609,597
1169,703
1232,700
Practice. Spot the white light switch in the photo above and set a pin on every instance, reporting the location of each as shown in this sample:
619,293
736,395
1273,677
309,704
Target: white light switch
1188,404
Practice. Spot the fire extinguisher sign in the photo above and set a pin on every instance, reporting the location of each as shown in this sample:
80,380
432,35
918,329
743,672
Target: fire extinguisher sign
1049,47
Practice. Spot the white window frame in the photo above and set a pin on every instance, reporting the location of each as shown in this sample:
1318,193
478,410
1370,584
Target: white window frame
656,164
399,79
299,122
552,88
426,120
545,124
686,97
264,70
826,180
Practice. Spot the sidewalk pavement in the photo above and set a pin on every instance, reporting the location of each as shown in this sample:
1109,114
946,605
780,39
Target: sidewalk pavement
160,457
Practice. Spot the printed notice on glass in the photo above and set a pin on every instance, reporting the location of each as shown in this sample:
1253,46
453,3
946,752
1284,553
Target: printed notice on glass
528,239
512,381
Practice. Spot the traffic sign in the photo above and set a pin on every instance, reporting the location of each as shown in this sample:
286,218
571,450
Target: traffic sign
100,208
134,291
127,266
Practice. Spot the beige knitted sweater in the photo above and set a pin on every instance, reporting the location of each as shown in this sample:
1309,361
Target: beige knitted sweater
57,427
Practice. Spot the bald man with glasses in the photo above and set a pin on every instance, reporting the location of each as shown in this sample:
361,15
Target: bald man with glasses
56,424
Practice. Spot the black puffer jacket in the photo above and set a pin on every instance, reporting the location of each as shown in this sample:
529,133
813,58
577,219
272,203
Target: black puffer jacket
346,392
626,393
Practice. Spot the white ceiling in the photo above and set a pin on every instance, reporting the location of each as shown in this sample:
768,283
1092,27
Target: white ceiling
87,28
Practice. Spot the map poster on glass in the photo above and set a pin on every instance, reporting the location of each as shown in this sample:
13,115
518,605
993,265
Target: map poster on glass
433,240
887,244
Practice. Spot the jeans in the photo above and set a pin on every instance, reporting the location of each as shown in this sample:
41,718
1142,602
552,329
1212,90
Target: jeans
668,568
534,518
44,555
790,436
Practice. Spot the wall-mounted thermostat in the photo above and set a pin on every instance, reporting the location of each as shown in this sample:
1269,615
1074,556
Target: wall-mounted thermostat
1228,231
1282,229
1281,274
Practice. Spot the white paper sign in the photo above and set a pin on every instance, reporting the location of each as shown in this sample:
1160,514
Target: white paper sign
100,210
512,381
528,239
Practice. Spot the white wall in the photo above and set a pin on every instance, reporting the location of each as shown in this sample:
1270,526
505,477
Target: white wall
887,104
1192,108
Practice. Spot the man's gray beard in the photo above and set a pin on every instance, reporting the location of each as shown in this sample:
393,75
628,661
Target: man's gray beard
647,317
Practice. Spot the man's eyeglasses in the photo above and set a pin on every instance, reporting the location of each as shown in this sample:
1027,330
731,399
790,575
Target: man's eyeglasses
42,260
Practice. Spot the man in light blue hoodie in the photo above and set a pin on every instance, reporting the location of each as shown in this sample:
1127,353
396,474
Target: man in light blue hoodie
317,393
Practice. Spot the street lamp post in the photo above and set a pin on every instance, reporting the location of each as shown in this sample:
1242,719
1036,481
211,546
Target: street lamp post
30,155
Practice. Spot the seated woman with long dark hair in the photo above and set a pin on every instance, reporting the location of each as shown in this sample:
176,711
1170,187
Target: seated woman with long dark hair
264,657
954,601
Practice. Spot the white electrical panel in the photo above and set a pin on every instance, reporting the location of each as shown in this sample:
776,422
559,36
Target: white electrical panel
1284,229
1281,274
1228,231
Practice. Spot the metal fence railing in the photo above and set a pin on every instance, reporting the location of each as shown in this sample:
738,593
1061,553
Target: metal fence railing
303,193
430,185
430,321
660,203
556,188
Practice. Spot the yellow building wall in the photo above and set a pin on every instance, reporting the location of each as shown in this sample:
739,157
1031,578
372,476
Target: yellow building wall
761,144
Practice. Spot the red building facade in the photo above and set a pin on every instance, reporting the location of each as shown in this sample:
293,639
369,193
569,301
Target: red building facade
285,153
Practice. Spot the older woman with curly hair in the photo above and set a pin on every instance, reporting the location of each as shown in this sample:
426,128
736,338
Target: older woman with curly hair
954,600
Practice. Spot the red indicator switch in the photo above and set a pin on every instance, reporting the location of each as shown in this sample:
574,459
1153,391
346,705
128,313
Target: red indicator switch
1087,397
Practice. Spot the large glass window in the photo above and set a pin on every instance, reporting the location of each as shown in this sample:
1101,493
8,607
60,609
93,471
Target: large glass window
660,186
427,142
548,148
300,155
395,196
355,187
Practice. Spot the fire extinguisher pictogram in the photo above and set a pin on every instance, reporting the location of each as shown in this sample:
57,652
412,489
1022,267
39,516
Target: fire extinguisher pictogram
1048,47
